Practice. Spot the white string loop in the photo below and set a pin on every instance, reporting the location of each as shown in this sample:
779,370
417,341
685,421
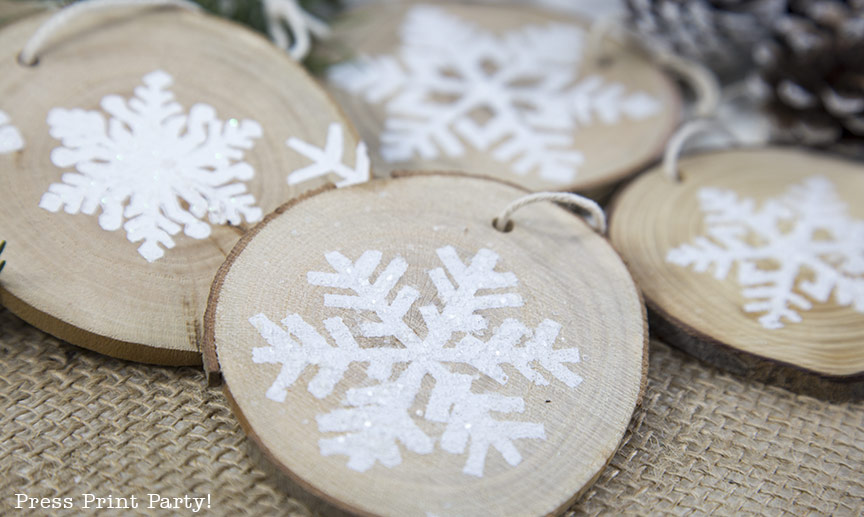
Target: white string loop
684,133
701,80
596,217
302,27
30,53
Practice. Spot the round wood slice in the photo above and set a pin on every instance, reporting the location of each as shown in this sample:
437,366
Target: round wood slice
421,230
705,312
91,287
611,151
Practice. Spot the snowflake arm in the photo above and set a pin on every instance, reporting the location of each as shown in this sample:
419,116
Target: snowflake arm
377,417
462,303
329,160
502,348
376,78
370,296
816,200
10,137
145,114
470,421
773,293
702,255
545,152
591,100
727,218
314,349
850,292
84,137
540,346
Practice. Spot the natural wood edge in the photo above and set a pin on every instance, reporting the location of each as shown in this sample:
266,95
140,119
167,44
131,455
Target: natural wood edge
405,173
835,388
606,186
209,356
285,478
104,345
643,386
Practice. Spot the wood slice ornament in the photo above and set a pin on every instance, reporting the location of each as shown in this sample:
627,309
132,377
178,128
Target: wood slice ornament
134,153
754,261
404,357
508,89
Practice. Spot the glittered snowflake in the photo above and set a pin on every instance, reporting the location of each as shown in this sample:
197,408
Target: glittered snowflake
10,138
518,96
153,166
378,416
792,250
328,160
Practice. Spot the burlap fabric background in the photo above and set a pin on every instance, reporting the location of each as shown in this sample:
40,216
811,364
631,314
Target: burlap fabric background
72,421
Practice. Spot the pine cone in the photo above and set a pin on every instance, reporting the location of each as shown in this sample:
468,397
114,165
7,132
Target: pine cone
808,56
717,33
812,66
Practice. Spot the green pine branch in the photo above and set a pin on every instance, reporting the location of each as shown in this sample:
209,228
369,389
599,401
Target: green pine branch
251,12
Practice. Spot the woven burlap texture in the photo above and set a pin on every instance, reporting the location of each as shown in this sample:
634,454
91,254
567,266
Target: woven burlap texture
703,442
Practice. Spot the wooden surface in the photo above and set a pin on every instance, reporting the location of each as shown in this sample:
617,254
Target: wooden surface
822,355
89,286
565,271
612,152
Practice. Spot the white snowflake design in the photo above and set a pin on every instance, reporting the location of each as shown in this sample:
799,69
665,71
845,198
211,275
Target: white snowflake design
518,96
802,244
173,169
328,160
10,137
375,417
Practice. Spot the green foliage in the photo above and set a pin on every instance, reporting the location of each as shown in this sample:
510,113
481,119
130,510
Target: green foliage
247,12
251,12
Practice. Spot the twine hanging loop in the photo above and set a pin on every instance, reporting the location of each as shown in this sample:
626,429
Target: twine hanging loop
29,55
595,216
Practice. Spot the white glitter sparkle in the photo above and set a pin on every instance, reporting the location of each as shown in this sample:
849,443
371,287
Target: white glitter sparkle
375,418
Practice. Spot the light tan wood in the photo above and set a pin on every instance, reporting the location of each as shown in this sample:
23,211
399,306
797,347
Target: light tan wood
566,273
12,10
89,286
823,354
611,152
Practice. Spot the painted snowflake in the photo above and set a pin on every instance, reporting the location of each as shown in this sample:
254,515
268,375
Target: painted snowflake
376,417
153,166
517,96
328,160
799,247
10,138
